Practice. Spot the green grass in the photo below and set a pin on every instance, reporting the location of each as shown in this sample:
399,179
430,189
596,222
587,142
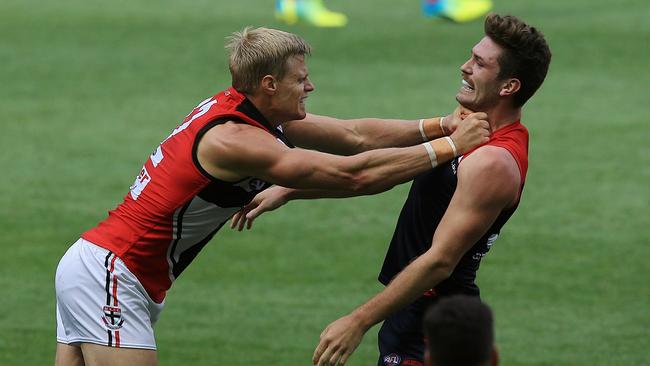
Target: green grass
88,88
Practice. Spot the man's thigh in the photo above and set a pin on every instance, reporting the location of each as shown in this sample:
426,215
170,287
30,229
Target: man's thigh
99,301
96,355
401,340
68,355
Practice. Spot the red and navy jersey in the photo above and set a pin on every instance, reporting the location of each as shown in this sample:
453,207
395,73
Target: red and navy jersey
426,204
175,207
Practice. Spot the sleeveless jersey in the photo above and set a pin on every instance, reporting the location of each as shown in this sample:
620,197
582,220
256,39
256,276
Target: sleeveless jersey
425,206
175,207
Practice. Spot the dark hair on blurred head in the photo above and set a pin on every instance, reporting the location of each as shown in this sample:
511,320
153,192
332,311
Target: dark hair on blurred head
526,54
460,331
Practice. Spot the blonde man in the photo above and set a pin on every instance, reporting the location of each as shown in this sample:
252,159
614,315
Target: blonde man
111,284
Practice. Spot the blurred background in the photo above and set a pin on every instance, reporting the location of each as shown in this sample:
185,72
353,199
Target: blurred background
89,88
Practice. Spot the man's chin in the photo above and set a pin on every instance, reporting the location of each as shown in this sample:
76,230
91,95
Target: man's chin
464,103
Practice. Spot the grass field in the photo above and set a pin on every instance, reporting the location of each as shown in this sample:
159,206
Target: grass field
89,88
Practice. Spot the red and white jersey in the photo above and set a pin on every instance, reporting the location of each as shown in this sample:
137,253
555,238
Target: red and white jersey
175,207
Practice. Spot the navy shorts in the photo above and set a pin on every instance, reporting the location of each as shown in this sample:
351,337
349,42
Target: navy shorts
401,340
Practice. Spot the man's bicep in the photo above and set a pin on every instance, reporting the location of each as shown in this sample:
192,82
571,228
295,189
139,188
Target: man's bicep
482,192
294,168
322,133
239,151
463,224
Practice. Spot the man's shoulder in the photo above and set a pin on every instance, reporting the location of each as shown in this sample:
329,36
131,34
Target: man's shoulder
490,158
493,168
238,142
232,131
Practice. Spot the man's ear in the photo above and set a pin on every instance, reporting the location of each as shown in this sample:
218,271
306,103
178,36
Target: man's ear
510,87
269,85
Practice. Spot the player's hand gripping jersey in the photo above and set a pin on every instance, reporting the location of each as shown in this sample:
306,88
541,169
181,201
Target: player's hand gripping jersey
175,207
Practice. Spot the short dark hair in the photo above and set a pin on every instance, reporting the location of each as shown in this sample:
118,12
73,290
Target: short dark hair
460,331
526,54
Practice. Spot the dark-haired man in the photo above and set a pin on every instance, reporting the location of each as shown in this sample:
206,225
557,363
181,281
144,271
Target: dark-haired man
454,213
459,331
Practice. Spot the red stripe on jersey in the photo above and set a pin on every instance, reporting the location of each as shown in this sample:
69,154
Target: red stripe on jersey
117,339
112,264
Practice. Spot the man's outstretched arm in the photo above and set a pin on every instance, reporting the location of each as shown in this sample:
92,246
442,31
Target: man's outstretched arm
352,136
226,152
277,196
488,182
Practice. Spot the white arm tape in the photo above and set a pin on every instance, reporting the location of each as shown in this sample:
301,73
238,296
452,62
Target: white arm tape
424,136
432,154
453,146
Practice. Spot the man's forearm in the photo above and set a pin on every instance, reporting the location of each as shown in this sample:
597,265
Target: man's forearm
375,171
380,133
406,287
353,136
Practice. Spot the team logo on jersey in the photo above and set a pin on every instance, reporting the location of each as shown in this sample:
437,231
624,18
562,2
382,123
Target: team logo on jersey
113,317
392,360
489,243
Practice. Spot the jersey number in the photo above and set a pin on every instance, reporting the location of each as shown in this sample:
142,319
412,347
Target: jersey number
157,156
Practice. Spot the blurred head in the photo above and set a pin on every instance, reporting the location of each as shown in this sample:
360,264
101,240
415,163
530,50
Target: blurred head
460,332
271,62
511,62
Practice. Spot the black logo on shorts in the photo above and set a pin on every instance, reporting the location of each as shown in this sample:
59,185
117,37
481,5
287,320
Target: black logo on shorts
113,317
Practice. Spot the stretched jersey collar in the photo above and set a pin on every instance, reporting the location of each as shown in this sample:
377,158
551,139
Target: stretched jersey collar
248,108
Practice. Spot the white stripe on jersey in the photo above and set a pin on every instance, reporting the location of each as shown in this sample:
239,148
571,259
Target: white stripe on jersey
197,221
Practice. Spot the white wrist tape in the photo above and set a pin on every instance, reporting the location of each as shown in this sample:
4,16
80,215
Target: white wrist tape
453,146
442,128
424,135
432,154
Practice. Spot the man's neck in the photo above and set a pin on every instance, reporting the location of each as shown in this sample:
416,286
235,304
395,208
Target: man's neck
500,117
263,105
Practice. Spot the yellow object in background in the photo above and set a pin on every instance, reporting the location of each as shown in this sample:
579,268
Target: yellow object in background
309,11
459,11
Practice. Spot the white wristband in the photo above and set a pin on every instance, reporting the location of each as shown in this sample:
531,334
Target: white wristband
453,146
442,128
432,154
424,136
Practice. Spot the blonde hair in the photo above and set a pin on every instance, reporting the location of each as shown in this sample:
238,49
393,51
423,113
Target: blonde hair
256,52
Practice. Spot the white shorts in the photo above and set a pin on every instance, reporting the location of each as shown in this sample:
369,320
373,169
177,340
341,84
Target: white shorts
98,300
